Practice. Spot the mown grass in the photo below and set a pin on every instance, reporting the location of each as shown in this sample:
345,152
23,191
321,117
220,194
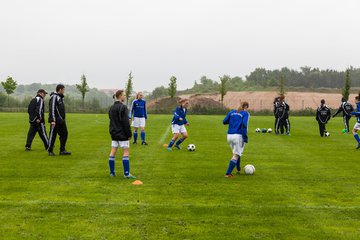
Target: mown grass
305,186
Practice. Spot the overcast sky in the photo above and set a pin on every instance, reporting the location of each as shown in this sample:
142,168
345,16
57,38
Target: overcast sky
50,41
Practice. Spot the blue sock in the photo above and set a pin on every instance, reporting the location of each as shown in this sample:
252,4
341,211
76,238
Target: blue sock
356,136
126,165
179,141
231,166
112,164
142,136
238,164
135,136
171,143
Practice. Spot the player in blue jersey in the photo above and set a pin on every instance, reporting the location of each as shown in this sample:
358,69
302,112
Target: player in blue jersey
178,124
357,124
237,135
138,110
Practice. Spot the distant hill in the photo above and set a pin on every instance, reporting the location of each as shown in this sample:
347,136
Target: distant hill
104,98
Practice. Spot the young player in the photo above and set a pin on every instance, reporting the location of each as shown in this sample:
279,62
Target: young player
346,108
138,109
357,124
178,124
36,120
276,114
237,135
322,116
120,133
57,120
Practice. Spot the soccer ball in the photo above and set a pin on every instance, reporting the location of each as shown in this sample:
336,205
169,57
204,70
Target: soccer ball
264,130
191,147
269,130
257,130
249,169
327,134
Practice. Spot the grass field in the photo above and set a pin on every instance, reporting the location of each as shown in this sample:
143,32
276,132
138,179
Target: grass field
305,186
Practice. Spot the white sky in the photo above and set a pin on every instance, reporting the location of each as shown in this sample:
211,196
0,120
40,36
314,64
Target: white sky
50,41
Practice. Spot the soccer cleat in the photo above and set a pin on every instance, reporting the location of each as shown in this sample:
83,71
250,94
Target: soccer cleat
144,143
129,176
178,147
134,142
112,174
169,149
52,154
229,175
65,153
358,146
237,173
27,148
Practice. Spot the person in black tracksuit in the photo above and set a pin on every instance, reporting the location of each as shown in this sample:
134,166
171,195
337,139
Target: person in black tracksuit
346,108
322,116
282,118
57,120
36,120
276,104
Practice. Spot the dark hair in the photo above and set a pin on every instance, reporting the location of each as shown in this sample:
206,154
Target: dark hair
322,101
357,97
343,99
59,86
118,93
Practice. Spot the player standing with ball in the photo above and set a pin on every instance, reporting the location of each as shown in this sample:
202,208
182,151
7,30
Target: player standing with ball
120,133
237,135
178,124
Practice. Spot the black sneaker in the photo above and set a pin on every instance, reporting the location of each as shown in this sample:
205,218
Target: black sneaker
65,153
144,143
52,154
27,148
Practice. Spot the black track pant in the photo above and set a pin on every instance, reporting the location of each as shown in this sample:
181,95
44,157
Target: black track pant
37,128
281,124
322,128
60,129
346,122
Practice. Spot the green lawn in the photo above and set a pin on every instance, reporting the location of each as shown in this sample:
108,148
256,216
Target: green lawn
305,186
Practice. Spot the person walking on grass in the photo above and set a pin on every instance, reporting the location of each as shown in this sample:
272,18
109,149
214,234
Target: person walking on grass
322,116
346,108
178,124
357,124
36,119
57,121
138,110
238,121
120,132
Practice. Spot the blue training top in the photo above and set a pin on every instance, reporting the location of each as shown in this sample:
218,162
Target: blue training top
238,122
138,109
179,113
357,113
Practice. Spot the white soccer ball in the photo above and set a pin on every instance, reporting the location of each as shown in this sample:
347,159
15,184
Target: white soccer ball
257,130
191,147
269,130
327,134
249,169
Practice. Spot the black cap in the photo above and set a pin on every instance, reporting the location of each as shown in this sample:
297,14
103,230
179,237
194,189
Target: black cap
42,91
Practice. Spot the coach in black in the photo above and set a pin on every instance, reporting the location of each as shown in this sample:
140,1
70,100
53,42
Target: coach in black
322,116
57,120
36,120
346,108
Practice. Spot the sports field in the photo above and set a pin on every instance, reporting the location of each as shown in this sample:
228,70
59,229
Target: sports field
305,186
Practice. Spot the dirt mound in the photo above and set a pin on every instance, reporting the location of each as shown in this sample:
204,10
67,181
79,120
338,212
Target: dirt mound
259,101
